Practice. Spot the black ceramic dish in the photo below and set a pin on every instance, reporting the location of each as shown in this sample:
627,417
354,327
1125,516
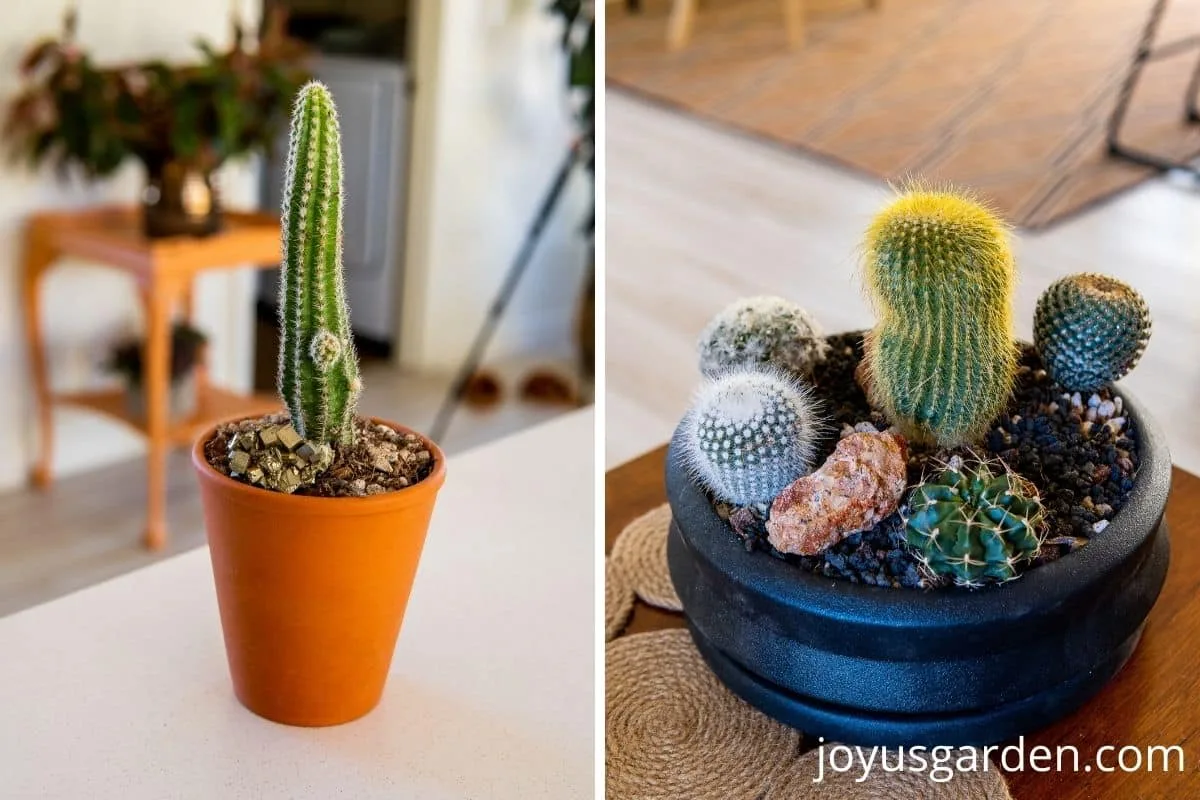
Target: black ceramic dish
888,666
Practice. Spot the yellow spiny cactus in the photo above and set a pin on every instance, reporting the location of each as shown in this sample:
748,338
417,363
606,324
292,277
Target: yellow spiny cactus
941,358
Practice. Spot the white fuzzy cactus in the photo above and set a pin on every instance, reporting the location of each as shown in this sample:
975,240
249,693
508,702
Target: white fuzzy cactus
750,432
762,330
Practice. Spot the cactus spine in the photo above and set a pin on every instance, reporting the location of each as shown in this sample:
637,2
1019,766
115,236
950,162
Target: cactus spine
941,359
762,330
973,524
318,368
1090,330
751,432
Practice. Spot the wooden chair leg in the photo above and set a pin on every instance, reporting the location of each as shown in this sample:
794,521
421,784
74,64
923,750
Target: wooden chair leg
793,18
156,385
680,24
37,258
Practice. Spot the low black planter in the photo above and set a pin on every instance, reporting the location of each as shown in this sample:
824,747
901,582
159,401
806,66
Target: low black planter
883,666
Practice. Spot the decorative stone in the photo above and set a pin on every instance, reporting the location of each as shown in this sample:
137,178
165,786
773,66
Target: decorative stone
381,464
289,438
860,484
266,459
239,461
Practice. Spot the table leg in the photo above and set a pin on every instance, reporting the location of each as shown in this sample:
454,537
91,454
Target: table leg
38,256
156,384
680,24
793,17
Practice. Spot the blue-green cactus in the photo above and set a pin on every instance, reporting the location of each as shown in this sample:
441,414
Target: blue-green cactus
1090,330
974,524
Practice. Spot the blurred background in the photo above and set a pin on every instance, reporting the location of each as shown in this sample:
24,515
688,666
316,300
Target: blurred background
749,143
140,137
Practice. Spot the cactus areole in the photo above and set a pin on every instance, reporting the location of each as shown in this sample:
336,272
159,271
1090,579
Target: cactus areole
318,368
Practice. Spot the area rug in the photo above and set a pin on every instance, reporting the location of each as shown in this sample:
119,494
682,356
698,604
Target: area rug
1008,98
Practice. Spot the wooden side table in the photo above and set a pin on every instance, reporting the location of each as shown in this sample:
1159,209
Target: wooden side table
164,270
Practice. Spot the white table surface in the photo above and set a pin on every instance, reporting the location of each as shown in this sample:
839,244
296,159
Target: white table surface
122,691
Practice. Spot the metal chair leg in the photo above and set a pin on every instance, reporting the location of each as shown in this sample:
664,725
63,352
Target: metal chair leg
1146,53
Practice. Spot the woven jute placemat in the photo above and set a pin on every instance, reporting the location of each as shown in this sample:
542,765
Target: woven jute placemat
641,552
672,730
799,781
618,600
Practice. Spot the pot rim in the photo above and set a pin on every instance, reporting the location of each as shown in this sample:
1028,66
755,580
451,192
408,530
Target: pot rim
244,493
1046,586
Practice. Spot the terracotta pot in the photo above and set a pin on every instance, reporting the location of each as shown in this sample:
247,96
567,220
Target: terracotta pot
312,590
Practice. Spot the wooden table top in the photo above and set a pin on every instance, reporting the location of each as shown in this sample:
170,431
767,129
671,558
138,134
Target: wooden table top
1153,701
112,236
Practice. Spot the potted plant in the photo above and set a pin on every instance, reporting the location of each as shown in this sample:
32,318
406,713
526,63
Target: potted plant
928,533
187,353
180,122
315,518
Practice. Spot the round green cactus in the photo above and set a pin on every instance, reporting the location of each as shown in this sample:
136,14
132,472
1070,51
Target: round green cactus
762,331
974,524
941,359
1090,330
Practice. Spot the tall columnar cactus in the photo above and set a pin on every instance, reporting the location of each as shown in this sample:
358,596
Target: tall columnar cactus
761,330
974,524
1090,330
318,368
751,432
941,359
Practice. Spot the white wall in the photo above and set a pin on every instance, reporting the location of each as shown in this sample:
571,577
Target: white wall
492,124
86,308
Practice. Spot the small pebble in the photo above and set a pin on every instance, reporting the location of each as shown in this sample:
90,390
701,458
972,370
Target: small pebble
1099,525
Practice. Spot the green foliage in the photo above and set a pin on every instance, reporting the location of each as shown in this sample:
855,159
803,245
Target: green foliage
1090,330
72,112
750,433
974,524
941,358
579,43
318,368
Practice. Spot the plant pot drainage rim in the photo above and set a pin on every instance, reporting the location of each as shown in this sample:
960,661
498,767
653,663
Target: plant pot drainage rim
711,539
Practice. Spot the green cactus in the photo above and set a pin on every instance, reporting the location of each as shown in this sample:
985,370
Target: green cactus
318,368
1090,330
941,359
750,432
974,524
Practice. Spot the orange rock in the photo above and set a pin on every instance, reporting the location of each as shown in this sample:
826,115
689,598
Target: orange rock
860,484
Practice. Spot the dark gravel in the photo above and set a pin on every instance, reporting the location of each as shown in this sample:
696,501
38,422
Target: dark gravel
1084,473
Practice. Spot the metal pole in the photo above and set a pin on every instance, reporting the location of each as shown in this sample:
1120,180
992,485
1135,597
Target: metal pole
496,311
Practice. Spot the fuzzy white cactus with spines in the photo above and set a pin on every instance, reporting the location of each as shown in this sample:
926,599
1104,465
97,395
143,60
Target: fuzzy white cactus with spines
318,368
749,433
762,330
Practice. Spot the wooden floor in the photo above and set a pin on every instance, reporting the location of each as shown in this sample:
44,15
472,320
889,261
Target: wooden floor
698,216
86,528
